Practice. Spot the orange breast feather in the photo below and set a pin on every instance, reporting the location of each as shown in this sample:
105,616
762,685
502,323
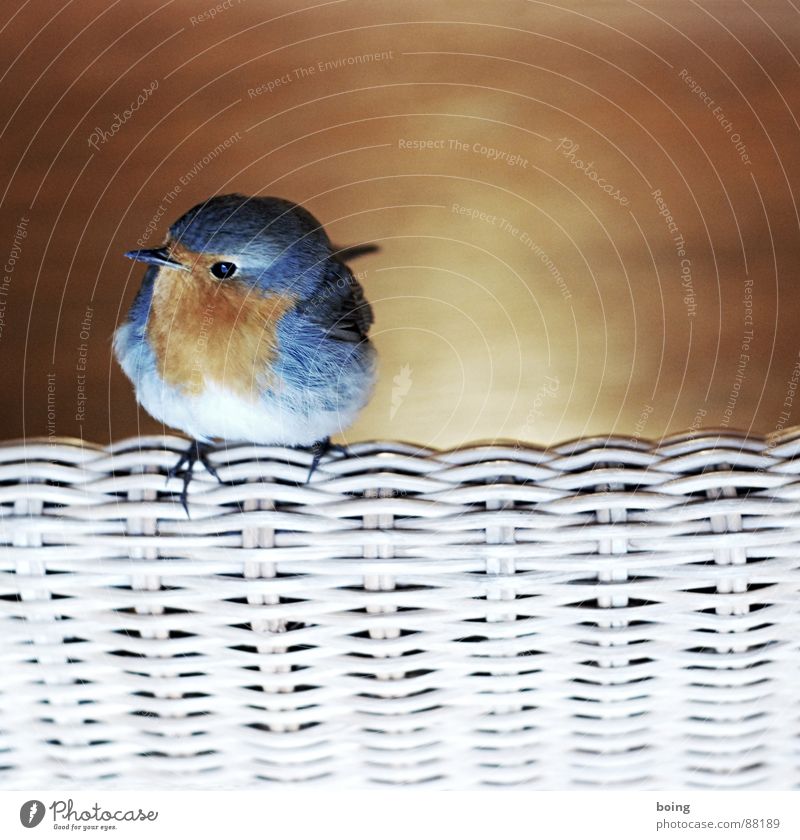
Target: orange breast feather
205,331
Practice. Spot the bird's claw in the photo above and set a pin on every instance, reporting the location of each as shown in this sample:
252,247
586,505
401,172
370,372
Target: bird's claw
322,448
204,460
184,468
175,470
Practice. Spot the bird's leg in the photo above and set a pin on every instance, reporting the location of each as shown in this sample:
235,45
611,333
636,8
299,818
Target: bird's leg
196,451
318,449
321,448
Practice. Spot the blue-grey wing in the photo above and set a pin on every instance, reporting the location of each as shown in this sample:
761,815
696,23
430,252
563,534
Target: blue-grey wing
339,306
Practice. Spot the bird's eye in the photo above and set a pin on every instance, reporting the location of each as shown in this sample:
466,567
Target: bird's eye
223,270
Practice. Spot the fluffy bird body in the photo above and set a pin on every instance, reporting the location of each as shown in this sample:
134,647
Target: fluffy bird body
248,327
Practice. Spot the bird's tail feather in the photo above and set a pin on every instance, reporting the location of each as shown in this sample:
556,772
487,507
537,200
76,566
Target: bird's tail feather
352,252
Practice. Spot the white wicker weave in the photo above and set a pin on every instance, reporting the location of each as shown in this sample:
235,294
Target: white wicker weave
605,613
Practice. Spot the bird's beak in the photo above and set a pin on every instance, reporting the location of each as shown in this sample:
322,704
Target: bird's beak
155,256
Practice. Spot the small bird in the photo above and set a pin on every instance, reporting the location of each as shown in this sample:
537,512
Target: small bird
248,327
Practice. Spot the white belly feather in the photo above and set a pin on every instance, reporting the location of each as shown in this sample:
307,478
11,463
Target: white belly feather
290,418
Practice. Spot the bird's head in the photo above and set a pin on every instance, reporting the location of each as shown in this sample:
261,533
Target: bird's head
265,244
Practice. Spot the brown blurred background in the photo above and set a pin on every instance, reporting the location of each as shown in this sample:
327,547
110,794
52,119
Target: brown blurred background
570,307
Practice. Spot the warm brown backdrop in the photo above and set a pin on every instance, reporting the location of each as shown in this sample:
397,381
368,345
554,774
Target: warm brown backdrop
574,323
